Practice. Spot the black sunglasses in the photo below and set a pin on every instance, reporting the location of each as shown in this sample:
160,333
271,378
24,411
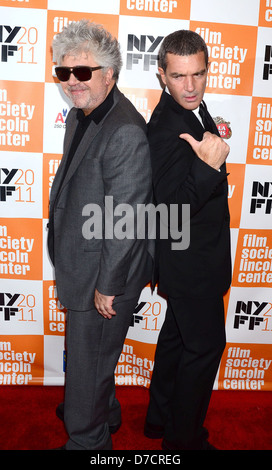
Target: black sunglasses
81,72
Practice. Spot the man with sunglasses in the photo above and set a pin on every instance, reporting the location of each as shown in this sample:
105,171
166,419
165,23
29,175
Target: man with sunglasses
99,278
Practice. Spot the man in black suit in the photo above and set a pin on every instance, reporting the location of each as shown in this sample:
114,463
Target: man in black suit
188,161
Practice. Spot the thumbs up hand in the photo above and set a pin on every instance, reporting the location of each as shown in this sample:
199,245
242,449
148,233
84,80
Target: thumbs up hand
212,149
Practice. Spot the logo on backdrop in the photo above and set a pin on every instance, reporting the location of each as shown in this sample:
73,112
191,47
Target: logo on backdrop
244,368
148,317
173,9
60,120
20,306
223,127
7,302
255,264
7,37
18,365
20,186
251,314
257,198
142,50
136,315
265,17
18,178
147,313
19,41
20,250
133,369
54,312
230,49
14,253
261,197
15,121
21,120
267,69
260,139
6,177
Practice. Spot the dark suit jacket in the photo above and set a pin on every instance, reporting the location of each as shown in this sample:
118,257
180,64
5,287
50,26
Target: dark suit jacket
180,177
112,159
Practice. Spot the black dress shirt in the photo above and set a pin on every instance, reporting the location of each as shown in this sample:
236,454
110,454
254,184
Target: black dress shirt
84,121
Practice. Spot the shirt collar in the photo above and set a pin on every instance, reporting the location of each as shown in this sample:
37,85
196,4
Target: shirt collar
196,113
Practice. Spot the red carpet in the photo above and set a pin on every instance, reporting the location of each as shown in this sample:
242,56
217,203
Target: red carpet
236,420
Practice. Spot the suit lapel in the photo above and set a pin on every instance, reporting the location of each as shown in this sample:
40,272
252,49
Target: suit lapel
183,120
193,123
189,118
91,132
80,152
85,142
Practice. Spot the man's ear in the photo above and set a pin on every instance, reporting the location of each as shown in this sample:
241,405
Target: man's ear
162,74
109,75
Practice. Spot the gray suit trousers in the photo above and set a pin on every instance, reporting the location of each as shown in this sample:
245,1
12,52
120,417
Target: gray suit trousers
94,345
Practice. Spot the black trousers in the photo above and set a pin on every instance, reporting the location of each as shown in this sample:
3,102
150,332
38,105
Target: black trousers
188,353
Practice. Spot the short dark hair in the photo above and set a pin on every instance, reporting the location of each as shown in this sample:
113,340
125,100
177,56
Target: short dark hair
182,42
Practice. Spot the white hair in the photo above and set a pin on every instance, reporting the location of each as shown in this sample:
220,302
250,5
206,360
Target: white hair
85,36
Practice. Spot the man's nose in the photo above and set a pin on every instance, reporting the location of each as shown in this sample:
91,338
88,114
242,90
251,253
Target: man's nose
72,79
189,83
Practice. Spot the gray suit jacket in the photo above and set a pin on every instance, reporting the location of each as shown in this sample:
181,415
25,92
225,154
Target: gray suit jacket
113,160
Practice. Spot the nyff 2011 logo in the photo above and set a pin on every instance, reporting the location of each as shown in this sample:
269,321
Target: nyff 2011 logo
24,43
20,305
19,180
146,46
251,314
7,35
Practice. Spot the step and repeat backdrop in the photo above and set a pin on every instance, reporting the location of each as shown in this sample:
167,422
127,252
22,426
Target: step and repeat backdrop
33,112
